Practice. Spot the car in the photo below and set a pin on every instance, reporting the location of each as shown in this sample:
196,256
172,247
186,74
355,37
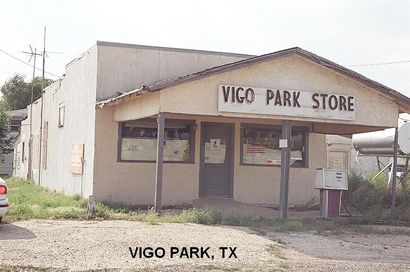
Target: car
4,202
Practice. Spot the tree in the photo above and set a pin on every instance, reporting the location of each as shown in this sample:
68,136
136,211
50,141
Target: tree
17,92
5,141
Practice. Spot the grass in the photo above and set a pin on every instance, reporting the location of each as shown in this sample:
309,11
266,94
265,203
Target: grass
276,250
28,201
373,199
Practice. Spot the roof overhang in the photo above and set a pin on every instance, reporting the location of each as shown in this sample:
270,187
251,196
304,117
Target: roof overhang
402,101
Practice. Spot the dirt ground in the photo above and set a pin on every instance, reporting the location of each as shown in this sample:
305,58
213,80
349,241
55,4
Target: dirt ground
93,245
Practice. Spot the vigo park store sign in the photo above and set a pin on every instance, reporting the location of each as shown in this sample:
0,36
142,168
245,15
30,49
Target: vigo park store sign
272,101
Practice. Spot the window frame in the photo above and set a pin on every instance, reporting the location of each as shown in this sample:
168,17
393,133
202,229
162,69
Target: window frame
61,109
144,121
306,133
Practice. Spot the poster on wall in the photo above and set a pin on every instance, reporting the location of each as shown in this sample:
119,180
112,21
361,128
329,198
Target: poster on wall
262,155
77,159
133,149
215,151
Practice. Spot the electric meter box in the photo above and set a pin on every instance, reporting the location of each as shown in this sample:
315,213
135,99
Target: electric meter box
331,179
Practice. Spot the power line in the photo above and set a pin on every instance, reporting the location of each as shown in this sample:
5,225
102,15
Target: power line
26,63
379,64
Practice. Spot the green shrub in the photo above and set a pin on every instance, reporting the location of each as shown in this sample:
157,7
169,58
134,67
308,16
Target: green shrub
373,197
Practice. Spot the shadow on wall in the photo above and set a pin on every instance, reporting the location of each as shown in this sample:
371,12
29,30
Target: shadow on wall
13,232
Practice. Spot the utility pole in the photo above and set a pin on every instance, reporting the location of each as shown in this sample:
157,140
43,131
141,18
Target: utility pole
30,144
31,151
41,110
394,171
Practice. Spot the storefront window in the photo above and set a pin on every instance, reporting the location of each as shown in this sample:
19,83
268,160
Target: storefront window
260,146
139,141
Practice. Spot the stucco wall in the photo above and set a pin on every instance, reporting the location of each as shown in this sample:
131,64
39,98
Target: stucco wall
198,99
123,67
261,184
146,105
292,73
134,183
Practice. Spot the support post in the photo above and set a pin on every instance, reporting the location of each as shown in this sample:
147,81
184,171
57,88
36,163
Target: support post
394,174
285,168
30,142
160,160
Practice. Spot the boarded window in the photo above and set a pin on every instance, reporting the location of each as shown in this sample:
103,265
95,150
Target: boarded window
260,145
138,141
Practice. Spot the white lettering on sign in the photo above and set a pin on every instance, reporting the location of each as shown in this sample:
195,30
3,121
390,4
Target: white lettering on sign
285,102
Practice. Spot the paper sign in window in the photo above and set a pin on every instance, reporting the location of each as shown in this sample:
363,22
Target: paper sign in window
215,151
146,150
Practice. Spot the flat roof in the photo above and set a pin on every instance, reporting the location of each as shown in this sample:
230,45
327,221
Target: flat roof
171,49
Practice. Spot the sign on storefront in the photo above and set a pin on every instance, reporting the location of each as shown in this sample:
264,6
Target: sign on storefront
272,101
77,159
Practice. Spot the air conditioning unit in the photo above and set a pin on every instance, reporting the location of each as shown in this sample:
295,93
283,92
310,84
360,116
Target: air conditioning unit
331,179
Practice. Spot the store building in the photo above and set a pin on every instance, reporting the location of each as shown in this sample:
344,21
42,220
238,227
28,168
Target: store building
225,117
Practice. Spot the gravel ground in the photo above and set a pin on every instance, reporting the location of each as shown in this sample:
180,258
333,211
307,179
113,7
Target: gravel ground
350,246
90,245
85,245
307,251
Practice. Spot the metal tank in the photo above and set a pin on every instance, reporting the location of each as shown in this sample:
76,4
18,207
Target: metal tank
380,143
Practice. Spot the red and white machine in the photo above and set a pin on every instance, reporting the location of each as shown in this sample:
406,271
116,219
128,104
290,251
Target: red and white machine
331,183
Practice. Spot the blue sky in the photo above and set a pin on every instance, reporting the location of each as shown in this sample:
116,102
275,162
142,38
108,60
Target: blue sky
347,32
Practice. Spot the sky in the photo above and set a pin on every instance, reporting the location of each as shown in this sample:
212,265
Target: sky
347,32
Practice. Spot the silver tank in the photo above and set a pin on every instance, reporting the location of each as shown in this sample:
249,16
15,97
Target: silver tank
382,142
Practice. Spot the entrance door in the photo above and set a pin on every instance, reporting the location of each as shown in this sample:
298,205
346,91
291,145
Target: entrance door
216,160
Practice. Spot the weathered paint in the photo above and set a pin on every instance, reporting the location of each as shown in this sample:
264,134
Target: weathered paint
102,71
134,183
77,90
105,70
293,72
124,68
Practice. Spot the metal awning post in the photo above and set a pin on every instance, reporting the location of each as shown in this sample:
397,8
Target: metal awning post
285,146
394,174
160,160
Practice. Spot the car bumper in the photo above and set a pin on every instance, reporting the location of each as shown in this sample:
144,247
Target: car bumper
3,208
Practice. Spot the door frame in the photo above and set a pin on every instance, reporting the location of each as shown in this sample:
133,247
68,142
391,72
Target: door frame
231,127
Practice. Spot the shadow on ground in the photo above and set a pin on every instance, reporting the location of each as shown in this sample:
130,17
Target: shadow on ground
12,232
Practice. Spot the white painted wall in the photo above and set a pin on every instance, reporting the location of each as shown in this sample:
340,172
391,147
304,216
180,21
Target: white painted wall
77,90
100,72
123,67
